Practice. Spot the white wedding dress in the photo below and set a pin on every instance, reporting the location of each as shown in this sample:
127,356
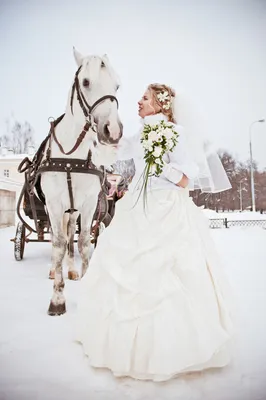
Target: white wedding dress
153,301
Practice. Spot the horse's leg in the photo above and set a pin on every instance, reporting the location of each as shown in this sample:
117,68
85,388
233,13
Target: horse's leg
52,271
84,239
59,245
71,229
65,230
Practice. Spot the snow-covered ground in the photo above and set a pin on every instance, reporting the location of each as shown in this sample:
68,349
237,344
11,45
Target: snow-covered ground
39,359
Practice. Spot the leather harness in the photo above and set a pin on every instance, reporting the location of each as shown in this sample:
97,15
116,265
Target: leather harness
33,169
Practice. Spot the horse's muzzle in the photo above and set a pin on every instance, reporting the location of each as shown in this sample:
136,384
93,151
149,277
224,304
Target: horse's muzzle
110,134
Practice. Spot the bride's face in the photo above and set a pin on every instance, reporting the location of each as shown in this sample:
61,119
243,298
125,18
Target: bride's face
147,106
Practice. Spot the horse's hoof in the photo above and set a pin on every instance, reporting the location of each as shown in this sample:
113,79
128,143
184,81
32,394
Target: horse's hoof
57,309
73,275
51,274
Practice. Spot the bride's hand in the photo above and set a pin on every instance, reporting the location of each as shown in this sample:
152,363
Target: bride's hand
184,182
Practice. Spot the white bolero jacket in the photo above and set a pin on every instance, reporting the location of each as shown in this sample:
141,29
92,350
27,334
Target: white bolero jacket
179,161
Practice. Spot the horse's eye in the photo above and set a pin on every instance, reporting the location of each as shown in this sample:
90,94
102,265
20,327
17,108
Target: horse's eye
102,64
86,82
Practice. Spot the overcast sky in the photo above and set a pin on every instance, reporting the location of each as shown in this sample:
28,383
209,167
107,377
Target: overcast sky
211,52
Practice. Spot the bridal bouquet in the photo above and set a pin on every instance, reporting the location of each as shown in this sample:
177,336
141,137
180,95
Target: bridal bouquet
156,140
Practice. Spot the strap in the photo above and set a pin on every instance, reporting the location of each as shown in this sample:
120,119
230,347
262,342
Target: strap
75,164
106,97
78,141
34,213
70,191
24,165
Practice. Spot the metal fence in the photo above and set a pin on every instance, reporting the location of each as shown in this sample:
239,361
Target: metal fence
216,223
225,223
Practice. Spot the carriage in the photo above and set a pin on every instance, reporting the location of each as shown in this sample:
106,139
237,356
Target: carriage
34,224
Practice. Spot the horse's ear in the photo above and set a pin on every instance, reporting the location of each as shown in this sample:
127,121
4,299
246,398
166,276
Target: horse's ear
78,57
105,57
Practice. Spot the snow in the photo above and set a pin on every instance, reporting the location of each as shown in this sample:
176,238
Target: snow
39,359
13,156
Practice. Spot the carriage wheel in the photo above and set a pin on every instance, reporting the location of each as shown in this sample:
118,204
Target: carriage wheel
19,242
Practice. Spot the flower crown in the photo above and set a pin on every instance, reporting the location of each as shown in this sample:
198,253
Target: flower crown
165,99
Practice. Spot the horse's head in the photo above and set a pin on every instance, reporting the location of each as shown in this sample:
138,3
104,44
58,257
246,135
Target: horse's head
94,91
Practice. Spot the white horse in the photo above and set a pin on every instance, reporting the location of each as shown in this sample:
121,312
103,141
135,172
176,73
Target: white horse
90,125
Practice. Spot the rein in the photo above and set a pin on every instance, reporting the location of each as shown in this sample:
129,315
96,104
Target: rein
78,141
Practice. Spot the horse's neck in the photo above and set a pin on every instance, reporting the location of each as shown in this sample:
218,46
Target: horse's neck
70,128
67,133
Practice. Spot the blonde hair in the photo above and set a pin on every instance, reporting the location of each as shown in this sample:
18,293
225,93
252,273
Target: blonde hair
157,88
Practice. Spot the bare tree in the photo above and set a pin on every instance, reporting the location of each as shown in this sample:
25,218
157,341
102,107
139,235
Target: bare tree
260,190
19,136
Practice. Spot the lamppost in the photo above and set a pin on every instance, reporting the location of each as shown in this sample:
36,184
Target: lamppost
251,164
241,188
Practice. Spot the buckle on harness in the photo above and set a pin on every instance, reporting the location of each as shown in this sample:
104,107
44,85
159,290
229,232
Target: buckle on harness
90,120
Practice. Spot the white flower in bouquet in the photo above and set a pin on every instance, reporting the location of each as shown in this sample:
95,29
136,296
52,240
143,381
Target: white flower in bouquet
147,144
144,144
153,135
168,133
157,151
143,135
170,144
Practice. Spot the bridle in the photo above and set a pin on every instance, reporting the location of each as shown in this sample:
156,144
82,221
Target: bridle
86,108
87,111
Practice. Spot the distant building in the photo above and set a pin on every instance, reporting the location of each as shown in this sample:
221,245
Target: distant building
11,182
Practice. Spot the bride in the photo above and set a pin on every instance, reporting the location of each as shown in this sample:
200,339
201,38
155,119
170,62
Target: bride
153,300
